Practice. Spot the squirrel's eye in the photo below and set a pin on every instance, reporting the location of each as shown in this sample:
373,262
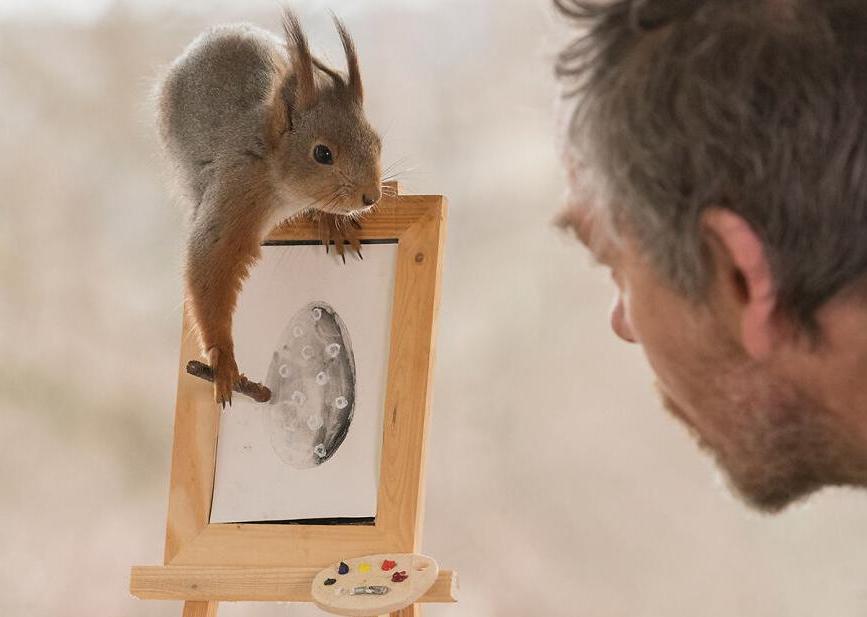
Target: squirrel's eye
323,155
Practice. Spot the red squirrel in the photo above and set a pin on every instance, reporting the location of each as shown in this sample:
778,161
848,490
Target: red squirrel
259,131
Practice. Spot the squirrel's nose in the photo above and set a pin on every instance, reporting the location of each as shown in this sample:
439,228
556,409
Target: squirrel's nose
370,199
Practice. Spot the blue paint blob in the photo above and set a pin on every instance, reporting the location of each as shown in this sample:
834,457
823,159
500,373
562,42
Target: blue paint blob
342,568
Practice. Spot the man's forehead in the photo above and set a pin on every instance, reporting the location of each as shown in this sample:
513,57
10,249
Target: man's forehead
586,210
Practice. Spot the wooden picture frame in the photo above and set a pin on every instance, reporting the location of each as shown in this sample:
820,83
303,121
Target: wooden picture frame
205,563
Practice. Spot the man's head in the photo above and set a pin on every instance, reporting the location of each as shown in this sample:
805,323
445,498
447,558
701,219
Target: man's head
718,155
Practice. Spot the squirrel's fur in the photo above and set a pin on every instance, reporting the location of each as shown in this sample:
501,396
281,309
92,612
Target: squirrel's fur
240,113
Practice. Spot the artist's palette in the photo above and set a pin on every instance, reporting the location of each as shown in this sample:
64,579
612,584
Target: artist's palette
374,584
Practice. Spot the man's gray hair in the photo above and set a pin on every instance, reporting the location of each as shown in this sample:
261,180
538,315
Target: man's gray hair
759,106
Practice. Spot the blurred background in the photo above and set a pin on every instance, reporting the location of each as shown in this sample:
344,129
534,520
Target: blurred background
556,485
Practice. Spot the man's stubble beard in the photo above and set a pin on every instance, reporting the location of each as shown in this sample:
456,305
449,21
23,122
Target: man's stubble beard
777,446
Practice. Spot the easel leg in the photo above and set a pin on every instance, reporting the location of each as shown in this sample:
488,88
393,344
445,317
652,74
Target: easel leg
200,609
413,610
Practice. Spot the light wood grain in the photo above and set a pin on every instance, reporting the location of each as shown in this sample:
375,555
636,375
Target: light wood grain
407,401
200,609
194,451
239,584
389,220
283,545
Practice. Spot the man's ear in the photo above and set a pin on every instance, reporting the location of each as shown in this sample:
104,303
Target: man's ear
743,283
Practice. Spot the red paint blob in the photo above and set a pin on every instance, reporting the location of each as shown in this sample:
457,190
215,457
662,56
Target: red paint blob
388,564
399,577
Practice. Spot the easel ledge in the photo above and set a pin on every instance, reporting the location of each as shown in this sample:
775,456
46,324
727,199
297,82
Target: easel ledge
243,584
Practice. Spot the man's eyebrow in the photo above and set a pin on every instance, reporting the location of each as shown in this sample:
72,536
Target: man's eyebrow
576,220
580,222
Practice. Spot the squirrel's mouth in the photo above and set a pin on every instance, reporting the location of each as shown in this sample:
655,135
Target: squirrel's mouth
347,208
350,199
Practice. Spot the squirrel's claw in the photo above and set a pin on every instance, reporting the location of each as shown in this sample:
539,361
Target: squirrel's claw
226,375
339,246
338,230
354,240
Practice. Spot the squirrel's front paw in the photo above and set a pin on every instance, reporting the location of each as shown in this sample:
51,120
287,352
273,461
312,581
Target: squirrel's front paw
226,374
339,230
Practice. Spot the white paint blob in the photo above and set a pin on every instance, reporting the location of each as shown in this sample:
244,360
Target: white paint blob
317,314
340,402
320,451
322,378
314,422
333,349
298,397
297,331
307,352
283,370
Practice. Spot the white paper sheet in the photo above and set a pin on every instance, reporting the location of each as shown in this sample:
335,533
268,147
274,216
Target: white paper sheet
257,473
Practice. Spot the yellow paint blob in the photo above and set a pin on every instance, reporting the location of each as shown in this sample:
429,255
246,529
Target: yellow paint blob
364,567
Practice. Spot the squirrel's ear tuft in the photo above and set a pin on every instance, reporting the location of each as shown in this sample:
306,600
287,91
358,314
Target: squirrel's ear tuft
302,62
354,73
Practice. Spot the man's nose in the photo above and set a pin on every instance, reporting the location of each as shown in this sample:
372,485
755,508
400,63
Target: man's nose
619,323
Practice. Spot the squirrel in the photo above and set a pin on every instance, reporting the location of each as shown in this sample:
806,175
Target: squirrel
260,131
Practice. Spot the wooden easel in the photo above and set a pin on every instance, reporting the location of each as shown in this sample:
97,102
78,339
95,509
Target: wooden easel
206,563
